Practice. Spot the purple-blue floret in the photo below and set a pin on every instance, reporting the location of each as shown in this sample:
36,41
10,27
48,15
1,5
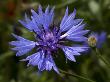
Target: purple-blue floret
49,39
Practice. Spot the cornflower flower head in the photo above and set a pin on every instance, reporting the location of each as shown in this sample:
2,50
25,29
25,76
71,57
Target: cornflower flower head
50,38
96,40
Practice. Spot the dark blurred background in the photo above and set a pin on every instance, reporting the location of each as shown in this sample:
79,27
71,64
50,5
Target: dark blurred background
96,14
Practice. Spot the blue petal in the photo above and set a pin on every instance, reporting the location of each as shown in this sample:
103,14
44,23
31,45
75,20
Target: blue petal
29,24
79,48
64,18
77,21
75,29
71,51
43,19
22,45
38,20
48,64
26,23
76,33
48,18
22,52
36,17
101,39
47,10
69,54
35,25
77,38
36,59
51,14
80,33
67,21
40,10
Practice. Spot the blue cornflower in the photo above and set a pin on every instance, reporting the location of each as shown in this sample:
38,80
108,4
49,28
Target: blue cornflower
49,40
96,40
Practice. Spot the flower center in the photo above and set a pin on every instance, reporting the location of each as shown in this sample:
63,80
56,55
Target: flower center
48,40
49,37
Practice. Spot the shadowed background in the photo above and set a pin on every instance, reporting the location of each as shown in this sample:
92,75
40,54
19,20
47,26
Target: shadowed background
96,14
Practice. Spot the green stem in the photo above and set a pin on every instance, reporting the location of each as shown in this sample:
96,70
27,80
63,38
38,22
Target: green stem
102,58
75,75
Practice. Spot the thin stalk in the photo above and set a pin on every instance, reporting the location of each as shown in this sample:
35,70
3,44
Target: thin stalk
102,58
75,75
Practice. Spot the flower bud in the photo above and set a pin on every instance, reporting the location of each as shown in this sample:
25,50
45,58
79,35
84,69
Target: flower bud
92,41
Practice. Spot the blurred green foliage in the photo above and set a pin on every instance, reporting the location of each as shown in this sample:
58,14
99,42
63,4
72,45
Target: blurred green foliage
96,14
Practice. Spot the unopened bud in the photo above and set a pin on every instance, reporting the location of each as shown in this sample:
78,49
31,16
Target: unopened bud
92,41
